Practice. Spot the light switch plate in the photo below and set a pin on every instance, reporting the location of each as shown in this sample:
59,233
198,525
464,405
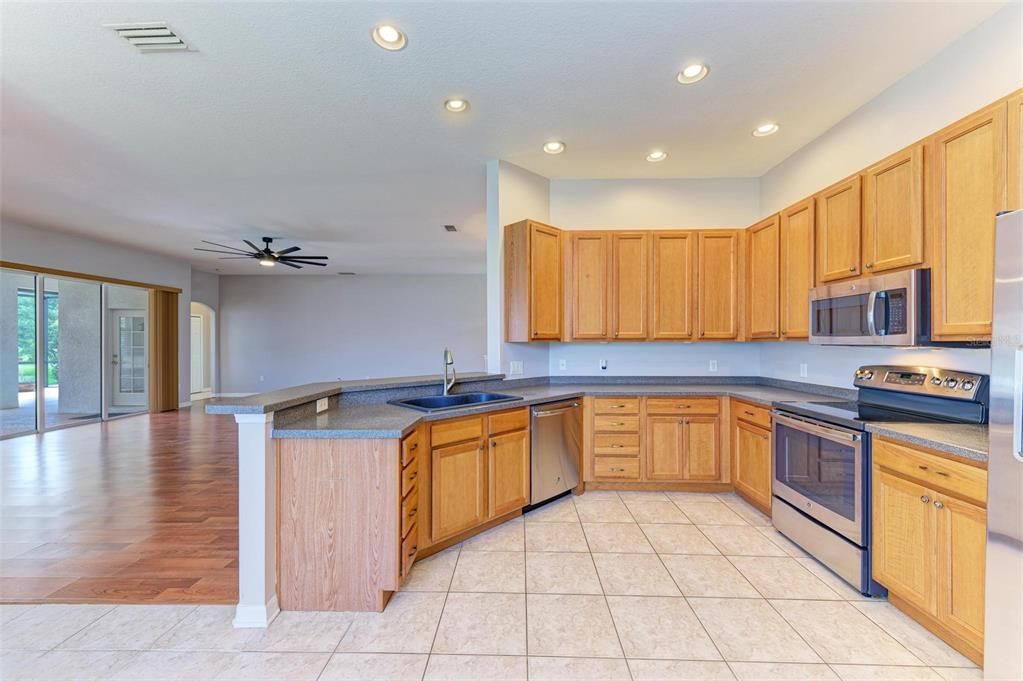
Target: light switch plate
321,405
515,367
803,371
562,364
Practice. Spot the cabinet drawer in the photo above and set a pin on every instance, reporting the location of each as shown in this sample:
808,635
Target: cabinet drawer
410,447
456,430
616,405
409,548
682,405
751,413
934,471
618,467
409,511
408,476
615,445
616,424
507,421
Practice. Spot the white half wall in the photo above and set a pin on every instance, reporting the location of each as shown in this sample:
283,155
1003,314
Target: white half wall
287,330
513,194
655,204
982,66
63,251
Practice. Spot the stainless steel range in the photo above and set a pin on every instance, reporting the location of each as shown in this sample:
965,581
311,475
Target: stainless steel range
822,457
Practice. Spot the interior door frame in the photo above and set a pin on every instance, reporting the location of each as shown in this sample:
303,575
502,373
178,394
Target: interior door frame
203,352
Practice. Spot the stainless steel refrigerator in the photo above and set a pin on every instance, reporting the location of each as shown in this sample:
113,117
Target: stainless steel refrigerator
1003,626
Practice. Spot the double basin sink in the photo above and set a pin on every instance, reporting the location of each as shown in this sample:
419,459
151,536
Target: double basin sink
459,401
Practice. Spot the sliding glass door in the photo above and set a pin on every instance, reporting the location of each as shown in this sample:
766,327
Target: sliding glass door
72,351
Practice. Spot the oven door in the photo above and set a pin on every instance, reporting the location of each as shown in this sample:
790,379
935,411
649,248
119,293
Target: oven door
818,469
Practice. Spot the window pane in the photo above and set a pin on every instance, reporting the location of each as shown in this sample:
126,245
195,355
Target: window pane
74,354
17,352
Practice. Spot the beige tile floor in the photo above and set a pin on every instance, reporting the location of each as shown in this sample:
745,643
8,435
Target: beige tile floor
604,586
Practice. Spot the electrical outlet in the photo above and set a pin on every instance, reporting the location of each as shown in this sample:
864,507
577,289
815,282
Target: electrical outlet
321,405
603,365
803,373
515,367
713,365
260,379
562,364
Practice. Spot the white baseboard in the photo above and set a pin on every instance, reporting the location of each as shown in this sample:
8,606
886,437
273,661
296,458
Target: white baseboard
256,616
182,405
233,394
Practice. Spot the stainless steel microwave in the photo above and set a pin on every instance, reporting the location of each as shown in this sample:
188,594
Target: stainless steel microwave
889,309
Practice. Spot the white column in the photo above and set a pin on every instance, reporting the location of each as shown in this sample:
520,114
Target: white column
257,523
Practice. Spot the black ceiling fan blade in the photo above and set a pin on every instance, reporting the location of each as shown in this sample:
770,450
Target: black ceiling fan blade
233,248
289,264
242,254
304,262
292,249
305,257
237,257
256,248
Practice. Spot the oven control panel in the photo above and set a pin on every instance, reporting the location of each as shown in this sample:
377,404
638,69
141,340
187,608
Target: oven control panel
922,381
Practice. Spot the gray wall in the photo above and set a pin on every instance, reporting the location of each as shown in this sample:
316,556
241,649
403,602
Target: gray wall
289,330
79,342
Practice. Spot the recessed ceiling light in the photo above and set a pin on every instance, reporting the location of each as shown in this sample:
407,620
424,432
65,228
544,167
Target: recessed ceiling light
456,105
389,37
765,129
693,73
656,156
554,147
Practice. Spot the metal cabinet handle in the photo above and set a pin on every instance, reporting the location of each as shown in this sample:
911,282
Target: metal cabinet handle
852,268
617,446
493,443
617,470
870,265
926,499
748,413
683,406
413,476
413,512
414,447
617,423
938,504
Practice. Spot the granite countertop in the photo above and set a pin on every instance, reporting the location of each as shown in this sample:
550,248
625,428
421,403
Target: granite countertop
391,421
962,440
275,400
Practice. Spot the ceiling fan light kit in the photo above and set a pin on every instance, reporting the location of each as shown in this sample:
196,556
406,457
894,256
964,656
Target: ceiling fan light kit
266,256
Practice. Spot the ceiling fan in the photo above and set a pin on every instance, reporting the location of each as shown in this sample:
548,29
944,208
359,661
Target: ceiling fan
266,256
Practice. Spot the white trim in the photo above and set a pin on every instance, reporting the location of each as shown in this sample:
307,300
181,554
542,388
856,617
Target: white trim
256,616
233,394
182,405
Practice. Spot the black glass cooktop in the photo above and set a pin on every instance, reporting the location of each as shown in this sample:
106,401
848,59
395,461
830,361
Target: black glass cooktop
855,414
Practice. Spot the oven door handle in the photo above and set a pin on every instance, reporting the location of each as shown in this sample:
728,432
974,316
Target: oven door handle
827,432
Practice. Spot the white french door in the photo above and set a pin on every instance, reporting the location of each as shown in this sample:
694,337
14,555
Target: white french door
129,358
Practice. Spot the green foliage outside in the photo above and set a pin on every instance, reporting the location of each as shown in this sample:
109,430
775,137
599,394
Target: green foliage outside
27,339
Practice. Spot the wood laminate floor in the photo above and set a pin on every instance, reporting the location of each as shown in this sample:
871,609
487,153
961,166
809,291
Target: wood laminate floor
137,510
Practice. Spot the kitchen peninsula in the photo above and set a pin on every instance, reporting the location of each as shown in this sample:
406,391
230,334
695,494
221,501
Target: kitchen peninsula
304,466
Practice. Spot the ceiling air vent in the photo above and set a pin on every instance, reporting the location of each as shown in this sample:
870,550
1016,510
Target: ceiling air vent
150,36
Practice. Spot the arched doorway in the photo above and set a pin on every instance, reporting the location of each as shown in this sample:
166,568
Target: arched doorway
202,342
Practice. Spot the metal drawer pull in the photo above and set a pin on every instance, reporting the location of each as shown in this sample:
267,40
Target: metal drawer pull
412,513
749,413
938,504
616,406
617,446
617,470
617,423
926,499
414,447
413,476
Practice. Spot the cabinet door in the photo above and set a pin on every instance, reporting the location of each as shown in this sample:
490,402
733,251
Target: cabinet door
718,282
1015,151
764,251
508,472
838,231
458,479
545,282
700,443
797,236
629,280
671,285
962,546
893,211
664,448
752,475
905,558
966,164
589,256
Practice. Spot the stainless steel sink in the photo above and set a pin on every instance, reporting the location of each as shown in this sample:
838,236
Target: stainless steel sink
461,400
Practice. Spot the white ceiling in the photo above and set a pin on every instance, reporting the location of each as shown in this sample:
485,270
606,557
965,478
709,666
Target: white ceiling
288,121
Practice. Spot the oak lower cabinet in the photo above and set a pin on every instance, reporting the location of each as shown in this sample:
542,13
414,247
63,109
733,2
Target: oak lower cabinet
929,540
479,470
533,294
752,454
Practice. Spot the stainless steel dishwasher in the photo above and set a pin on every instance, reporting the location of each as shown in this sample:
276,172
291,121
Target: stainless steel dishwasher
555,448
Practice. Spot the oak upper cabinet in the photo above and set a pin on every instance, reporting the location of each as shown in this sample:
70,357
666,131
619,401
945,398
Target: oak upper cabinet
1015,151
838,231
629,282
589,276
672,261
966,165
893,211
508,472
459,488
762,297
797,266
717,289
532,282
